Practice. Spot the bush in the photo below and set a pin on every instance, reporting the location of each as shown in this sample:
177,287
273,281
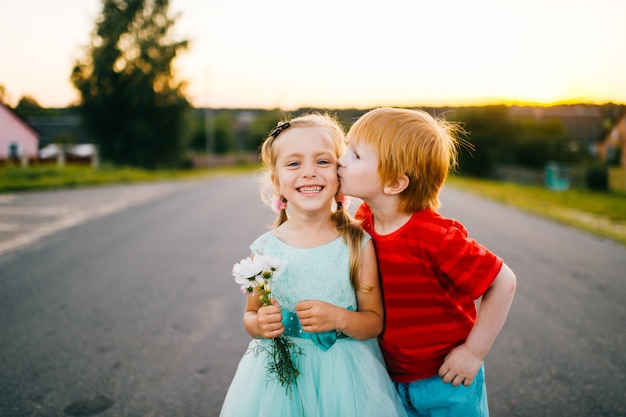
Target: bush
597,178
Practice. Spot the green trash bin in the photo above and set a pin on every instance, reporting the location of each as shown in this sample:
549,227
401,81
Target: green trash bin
557,176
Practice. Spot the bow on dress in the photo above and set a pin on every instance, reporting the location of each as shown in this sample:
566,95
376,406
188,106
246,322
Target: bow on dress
324,340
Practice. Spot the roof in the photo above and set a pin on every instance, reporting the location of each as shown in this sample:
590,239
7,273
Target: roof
19,119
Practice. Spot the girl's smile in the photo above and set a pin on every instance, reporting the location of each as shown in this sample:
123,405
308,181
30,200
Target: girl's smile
306,168
310,189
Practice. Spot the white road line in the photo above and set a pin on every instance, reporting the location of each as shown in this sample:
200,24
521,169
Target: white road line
50,219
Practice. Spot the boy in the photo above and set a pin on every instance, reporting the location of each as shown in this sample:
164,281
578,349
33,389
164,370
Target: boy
434,341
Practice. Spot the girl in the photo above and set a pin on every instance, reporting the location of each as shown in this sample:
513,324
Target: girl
327,299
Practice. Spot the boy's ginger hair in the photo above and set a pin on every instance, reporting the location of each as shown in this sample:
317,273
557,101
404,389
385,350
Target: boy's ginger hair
411,143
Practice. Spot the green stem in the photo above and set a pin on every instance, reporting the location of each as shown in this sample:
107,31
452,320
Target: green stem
282,361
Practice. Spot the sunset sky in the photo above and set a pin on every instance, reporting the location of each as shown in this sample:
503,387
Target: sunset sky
346,53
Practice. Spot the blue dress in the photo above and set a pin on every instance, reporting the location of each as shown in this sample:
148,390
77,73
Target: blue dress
349,379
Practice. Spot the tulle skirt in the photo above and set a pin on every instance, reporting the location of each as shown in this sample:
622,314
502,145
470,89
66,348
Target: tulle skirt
347,380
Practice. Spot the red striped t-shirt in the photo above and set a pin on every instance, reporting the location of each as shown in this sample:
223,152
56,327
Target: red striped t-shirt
431,274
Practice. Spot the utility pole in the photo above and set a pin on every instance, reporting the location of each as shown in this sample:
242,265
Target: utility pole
209,123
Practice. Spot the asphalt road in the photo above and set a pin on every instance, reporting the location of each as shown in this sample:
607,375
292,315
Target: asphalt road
118,301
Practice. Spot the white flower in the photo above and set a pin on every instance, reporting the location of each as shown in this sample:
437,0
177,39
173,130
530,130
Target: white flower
247,288
274,266
256,275
246,270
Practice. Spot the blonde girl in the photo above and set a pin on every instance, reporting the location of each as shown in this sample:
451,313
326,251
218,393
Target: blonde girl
327,300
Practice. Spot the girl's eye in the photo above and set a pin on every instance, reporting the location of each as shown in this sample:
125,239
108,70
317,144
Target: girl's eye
356,155
293,164
323,162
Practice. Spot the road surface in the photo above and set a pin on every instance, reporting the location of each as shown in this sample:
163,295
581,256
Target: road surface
118,301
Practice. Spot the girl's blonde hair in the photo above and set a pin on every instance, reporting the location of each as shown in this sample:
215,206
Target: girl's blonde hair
348,228
411,143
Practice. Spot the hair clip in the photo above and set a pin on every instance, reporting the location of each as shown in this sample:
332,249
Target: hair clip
279,129
342,201
279,203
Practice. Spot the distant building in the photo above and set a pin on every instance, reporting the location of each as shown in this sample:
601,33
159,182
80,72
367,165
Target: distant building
614,142
583,123
18,140
62,127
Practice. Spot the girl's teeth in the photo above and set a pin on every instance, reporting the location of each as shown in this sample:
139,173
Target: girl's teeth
310,189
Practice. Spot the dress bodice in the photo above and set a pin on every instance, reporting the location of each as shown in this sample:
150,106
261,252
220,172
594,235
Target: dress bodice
319,273
338,376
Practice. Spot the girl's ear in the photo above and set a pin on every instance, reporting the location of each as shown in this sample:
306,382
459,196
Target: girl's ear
276,184
397,186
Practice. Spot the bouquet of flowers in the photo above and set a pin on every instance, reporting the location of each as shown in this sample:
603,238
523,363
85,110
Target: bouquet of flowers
256,276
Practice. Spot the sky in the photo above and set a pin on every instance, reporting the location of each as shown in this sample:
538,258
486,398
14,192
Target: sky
345,53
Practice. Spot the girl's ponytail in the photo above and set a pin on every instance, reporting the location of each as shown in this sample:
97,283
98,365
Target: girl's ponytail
352,234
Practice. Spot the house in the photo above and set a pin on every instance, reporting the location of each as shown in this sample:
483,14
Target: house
17,139
614,140
59,126
611,147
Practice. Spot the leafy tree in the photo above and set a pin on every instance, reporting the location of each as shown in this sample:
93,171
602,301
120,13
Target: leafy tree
223,131
488,129
4,96
131,104
536,144
261,127
198,135
29,107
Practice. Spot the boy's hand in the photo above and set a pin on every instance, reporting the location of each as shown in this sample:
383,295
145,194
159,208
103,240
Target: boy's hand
460,366
269,320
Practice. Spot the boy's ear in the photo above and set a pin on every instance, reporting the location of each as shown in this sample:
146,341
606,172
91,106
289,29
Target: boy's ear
397,186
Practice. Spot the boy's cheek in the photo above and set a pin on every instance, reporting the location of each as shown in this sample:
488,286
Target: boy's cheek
345,186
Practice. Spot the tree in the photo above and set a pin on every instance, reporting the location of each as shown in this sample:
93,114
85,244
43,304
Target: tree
537,143
223,132
131,104
29,107
261,127
4,96
487,130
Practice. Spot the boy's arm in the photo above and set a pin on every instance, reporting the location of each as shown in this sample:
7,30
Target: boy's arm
463,363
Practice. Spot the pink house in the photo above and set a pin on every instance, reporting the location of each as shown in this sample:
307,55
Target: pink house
17,139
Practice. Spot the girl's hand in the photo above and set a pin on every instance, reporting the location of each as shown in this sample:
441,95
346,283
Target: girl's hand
318,316
269,320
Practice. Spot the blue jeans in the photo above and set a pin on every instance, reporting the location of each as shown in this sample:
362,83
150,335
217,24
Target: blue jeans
431,397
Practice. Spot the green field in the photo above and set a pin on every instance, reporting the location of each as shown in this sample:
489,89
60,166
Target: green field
15,179
601,213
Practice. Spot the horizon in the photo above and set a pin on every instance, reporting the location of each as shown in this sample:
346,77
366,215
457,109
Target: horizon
412,106
350,54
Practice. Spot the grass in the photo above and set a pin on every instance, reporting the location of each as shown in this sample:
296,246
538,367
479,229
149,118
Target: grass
14,178
601,213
